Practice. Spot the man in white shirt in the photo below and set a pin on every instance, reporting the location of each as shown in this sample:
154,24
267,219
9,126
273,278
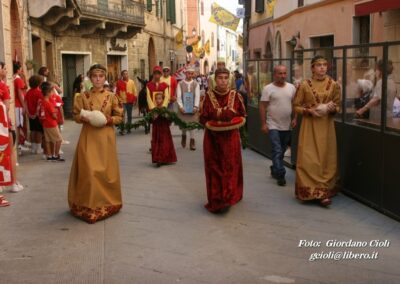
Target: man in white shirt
276,119
188,98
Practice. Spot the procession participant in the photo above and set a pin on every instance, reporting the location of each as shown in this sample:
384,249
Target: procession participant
276,100
318,100
211,79
49,118
32,98
192,87
162,147
222,112
172,84
94,190
126,91
19,93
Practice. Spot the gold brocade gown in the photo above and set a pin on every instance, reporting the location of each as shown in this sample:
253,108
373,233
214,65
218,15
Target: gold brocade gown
316,167
94,190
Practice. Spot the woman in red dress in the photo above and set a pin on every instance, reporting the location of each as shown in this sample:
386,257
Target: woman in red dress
221,146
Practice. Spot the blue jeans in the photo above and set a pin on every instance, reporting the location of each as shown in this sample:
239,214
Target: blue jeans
128,111
279,141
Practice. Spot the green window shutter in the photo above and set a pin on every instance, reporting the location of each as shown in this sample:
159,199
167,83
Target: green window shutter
168,10
149,5
159,10
173,12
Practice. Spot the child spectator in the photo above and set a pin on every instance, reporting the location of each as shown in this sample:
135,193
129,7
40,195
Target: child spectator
48,116
32,98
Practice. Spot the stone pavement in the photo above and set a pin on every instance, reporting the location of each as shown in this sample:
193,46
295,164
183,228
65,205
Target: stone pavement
164,235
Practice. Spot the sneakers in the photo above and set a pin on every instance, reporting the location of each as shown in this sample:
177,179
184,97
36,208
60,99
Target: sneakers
55,159
281,181
16,188
58,159
49,159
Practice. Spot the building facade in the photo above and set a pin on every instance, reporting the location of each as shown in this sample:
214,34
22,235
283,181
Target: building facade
121,34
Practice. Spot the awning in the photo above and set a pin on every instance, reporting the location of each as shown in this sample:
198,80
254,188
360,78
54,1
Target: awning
374,6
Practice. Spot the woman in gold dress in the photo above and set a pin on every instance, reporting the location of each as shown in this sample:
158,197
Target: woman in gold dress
318,100
94,190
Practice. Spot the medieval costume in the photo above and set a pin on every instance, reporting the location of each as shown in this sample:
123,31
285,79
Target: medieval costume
188,99
316,168
172,84
126,92
221,146
94,190
162,146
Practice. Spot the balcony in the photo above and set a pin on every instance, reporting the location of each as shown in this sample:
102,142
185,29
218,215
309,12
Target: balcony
127,11
89,18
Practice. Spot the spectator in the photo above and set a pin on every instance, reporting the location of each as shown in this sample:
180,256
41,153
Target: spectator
365,88
32,98
20,91
48,116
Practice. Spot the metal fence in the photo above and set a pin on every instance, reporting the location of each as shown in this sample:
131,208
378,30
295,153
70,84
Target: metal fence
369,152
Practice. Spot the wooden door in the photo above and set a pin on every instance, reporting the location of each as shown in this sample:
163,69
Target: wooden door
69,75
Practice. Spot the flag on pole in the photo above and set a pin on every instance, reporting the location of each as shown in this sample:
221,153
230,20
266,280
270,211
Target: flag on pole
179,39
223,17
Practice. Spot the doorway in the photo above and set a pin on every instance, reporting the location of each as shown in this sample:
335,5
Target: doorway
113,68
151,56
72,66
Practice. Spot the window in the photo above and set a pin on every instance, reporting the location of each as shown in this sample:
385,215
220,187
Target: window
149,5
212,39
247,9
361,32
171,14
260,6
159,11
300,3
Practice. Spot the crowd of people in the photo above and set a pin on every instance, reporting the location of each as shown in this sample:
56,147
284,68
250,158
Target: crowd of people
39,108
218,102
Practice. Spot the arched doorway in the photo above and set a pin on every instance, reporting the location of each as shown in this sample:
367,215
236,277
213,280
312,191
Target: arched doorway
206,68
151,56
278,45
16,40
268,51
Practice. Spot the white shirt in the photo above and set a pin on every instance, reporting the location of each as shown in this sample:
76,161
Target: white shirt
279,109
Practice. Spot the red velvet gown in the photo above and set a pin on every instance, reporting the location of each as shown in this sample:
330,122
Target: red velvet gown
162,146
222,150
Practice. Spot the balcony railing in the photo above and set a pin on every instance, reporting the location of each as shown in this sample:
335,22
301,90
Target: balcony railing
131,12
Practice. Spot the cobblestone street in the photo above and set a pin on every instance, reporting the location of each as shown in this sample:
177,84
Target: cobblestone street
164,235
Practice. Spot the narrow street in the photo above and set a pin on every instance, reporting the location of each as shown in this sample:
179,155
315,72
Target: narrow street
164,235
